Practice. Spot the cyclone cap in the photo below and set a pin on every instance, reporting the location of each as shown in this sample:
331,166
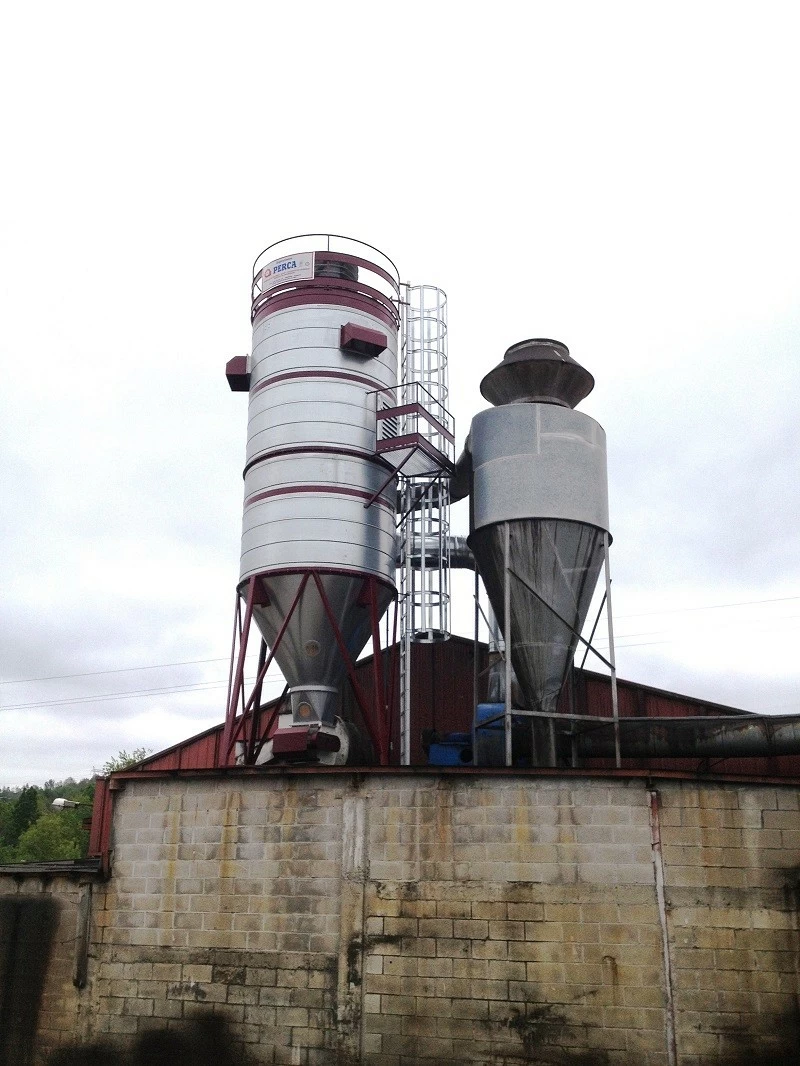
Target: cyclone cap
537,371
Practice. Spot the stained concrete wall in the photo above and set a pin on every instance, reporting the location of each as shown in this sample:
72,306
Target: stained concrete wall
395,919
40,1006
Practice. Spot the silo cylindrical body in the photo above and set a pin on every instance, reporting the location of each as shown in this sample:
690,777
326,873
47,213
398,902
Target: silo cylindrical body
316,497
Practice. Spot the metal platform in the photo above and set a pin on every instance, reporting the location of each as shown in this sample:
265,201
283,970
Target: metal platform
414,431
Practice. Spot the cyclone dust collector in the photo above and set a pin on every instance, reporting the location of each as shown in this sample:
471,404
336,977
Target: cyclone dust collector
539,518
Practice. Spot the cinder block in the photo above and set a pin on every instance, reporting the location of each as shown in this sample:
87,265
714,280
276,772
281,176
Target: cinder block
453,909
506,971
469,1008
403,927
138,1007
541,931
397,1004
493,910
433,967
387,984
240,994
548,953
447,948
372,1043
401,965
122,1024
469,928
508,930
383,1023
418,908
466,969
488,949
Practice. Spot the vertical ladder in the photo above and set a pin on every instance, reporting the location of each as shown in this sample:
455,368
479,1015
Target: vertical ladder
425,520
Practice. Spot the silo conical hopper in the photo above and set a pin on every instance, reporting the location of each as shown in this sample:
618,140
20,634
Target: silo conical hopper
539,509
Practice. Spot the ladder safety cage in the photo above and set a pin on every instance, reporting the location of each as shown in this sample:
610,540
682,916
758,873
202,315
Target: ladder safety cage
415,434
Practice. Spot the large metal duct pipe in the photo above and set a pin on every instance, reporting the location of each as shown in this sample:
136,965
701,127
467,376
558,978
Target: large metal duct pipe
458,553
751,736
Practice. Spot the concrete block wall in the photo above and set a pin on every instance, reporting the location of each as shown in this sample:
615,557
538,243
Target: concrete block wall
732,859
397,919
225,897
507,919
40,1006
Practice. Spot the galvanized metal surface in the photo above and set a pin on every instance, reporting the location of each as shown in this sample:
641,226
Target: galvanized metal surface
537,460
715,738
310,448
327,269
311,468
562,561
458,551
424,567
308,654
539,516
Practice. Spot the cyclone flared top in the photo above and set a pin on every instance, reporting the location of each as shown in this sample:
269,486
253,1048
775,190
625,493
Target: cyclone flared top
537,371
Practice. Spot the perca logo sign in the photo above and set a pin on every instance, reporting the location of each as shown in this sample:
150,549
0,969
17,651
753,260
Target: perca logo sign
290,268
287,264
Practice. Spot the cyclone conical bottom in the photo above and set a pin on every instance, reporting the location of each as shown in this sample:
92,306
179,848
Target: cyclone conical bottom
561,560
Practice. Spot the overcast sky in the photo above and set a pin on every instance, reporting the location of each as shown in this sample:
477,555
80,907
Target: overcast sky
622,177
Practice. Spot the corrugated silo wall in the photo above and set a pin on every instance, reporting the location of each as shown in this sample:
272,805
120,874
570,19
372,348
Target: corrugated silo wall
395,918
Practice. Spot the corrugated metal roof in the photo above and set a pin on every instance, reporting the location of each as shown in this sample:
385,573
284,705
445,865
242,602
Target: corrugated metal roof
442,701
63,867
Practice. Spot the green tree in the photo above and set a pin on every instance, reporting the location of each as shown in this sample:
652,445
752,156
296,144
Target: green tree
23,814
6,847
5,821
81,791
124,759
31,832
50,837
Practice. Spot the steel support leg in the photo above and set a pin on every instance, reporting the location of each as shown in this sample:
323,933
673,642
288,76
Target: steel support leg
612,660
507,636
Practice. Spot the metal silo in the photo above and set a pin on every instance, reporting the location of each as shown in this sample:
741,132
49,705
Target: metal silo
318,541
539,517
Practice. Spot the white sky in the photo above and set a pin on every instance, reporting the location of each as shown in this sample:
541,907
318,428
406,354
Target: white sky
623,177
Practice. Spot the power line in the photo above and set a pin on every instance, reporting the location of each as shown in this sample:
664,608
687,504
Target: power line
753,625
710,607
138,693
203,686
105,697
120,670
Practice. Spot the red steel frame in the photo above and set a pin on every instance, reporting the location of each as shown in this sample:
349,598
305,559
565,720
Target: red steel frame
243,716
